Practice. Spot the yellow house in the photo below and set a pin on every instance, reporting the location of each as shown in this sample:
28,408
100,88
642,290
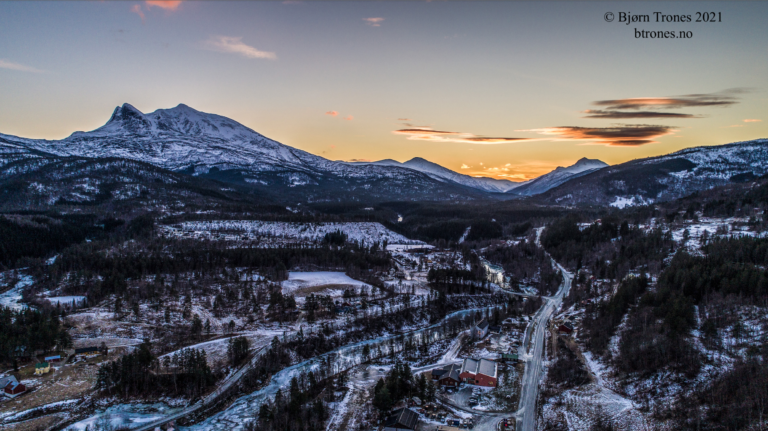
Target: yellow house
42,368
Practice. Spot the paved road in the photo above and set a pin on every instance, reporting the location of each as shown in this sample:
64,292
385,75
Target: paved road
534,337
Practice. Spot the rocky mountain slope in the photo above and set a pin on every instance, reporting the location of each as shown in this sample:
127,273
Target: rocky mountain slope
560,175
666,177
185,140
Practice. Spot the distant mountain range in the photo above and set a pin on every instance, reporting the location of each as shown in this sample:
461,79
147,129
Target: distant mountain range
559,176
664,178
440,173
184,140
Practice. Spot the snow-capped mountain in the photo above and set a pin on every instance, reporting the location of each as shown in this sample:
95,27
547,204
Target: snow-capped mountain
666,177
559,176
177,139
441,173
184,139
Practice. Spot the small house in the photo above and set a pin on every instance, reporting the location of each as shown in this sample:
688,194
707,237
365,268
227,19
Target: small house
55,358
403,419
480,330
5,380
42,368
565,328
448,376
13,389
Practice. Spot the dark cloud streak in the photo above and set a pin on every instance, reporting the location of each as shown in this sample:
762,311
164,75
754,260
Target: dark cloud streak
621,115
620,135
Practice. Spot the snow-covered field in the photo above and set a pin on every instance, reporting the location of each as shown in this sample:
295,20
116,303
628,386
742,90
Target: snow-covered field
326,283
365,232
304,283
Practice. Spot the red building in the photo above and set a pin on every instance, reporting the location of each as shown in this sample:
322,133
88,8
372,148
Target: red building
481,372
565,328
14,389
447,376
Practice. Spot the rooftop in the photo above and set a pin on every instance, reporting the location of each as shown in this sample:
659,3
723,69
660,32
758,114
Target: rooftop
404,417
482,366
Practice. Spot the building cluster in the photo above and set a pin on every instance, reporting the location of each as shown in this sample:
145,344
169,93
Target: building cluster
478,372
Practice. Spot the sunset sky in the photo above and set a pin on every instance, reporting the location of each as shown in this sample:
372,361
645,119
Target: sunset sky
503,89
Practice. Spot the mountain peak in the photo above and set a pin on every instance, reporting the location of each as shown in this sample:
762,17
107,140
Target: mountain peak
129,117
586,161
419,159
126,111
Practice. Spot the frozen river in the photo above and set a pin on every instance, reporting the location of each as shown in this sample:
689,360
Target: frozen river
245,408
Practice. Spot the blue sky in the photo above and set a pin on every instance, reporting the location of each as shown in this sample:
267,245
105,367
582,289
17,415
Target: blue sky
485,88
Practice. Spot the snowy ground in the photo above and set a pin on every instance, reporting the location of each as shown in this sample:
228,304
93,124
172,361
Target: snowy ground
365,232
124,416
12,297
320,283
401,247
622,202
581,406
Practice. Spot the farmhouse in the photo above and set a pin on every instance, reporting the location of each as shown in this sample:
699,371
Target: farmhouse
402,420
12,388
447,376
42,368
481,372
480,330
566,327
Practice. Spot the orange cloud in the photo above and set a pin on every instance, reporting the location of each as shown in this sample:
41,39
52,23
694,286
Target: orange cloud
374,22
621,135
404,119
332,113
464,166
429,134
349,118
164,4
752,120
137,10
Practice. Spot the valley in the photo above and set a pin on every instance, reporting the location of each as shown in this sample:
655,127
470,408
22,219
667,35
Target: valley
176,270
